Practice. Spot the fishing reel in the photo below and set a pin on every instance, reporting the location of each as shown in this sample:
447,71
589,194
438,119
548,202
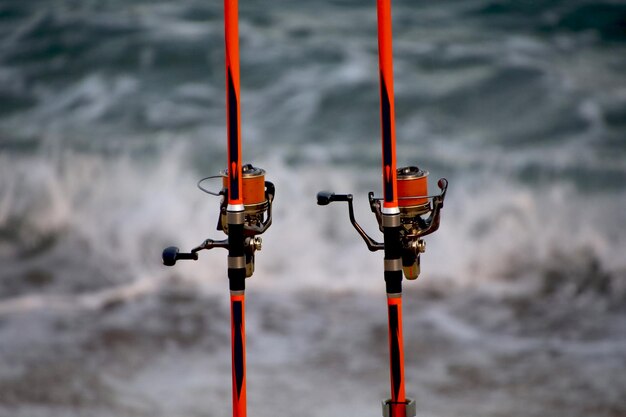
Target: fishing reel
420,215
258,196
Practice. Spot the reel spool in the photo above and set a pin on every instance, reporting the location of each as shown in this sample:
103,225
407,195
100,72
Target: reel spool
258,195
412,189
253,184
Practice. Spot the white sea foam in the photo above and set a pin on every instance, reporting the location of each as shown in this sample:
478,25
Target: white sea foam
124,212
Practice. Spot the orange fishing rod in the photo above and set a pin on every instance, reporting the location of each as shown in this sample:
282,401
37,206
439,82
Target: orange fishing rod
245,212
235,210
233,108
405,214
387,108
396,405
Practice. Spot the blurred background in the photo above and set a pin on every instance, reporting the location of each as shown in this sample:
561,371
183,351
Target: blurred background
111,110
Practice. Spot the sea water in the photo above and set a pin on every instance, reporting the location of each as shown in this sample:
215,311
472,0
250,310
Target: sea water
111,111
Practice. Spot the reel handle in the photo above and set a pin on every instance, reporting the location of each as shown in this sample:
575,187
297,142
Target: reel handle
172,254
324,198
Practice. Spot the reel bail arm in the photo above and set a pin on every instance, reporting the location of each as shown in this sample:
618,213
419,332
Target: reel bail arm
437,204
411,216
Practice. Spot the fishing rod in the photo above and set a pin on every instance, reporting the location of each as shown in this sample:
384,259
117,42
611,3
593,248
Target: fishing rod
245,212
405,214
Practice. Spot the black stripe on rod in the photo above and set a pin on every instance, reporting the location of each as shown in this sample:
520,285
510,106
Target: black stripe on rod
238,344
233,138
385,108
394,349
393,250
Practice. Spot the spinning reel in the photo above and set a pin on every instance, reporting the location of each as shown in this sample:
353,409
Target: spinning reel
258,196
420,215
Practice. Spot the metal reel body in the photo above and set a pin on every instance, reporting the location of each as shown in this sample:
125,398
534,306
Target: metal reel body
419,214
258,196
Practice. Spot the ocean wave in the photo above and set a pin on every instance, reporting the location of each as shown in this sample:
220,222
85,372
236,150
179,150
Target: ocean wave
64,223
606,19
100,151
